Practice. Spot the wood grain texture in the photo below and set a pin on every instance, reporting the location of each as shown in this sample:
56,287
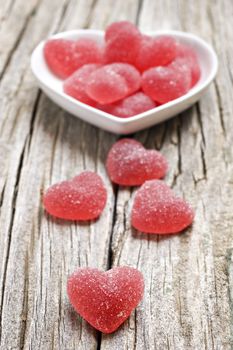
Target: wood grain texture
188,295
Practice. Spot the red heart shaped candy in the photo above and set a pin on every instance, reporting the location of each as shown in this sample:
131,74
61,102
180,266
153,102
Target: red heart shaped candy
156,209
81,198
130,164
105,299
64,57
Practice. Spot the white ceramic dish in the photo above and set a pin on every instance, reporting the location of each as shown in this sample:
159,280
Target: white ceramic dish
52,86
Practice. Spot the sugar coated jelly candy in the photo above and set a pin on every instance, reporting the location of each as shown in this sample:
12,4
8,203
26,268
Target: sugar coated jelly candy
106,86
185,55
164,84
155,52
105,299
130,164
81,198
122,42
129,73
75,85
129,106
112,82
157,210
64,57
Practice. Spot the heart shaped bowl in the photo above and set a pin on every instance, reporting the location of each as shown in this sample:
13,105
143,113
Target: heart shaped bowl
52,86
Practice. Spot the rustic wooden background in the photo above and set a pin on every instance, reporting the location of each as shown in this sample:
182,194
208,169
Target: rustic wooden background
188,295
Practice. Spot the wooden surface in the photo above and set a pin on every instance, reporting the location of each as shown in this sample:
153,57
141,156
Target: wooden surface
189,277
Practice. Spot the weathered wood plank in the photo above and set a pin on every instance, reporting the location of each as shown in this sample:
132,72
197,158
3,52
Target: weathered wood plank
39,253
17,124
188,296
186,304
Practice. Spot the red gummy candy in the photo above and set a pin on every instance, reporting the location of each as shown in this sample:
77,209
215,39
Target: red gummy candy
81,198
156,209
186,56
129,73
155,52
64,57
122,42
75,85
105,299
130,106
130,164
112,82
164,84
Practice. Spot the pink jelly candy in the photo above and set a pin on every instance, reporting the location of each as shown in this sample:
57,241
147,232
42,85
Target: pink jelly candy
186,56
130,164
122,42
75,85
155,52
81,198
164,84
112,82
105,299
64,57
129,73
129,106
156,209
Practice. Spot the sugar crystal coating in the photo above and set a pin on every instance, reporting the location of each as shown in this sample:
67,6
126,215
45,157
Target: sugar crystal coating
112,82
64,57
105,299
81,198
164,84
185,55
116,29
129,73
122,42
129,106
157,210
75,85
155,52
130,164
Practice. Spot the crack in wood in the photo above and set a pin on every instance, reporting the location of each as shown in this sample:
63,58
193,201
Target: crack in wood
204,167
179,162
140,5
114,217
159,146
99,339
2,194
200,123
25,305
33,117
220,107
122,239
11,224
89,17
230,288
197,180
135,329
64,9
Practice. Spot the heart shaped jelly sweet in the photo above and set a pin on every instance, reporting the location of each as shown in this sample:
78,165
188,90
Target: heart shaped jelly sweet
130,164
156,209
105,299
64,57
81,198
